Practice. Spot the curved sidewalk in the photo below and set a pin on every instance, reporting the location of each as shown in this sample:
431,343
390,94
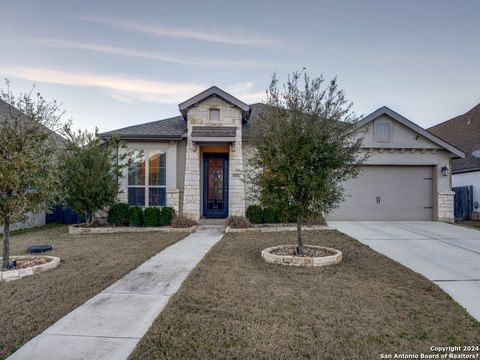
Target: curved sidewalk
109,325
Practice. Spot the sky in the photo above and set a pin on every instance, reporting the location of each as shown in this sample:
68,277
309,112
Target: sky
119,63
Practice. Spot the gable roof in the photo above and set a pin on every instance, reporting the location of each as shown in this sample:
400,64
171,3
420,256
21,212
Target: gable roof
464,132
412,126
174,128
6,110
214,91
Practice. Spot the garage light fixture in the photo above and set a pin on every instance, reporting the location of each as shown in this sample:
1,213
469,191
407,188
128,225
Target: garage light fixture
444,170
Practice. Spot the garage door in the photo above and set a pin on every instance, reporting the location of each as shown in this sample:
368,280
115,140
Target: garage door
388,193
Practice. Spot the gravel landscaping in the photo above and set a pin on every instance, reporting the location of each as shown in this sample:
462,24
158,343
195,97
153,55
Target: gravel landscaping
235,305
89,263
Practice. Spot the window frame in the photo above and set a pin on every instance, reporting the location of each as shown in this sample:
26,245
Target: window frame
210,113
146,186
390,131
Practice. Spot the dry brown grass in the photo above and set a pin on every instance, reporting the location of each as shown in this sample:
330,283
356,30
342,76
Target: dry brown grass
234,305
88,265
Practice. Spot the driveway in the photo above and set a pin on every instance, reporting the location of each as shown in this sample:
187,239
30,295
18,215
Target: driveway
448,255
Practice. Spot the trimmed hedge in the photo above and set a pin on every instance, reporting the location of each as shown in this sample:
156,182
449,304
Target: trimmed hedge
270,216
118,214
266,215
166,215
151,216
135,216
122,214
255,214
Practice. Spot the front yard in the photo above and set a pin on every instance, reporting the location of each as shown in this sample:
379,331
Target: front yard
88,265
234,305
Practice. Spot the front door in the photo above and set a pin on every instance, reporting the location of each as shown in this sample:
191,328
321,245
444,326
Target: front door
215,185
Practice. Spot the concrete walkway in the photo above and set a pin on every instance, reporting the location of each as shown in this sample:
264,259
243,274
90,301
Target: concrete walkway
109,325
448,255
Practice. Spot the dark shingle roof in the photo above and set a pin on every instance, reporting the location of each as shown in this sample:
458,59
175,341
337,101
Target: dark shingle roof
172,128
214,131
6,111
464,132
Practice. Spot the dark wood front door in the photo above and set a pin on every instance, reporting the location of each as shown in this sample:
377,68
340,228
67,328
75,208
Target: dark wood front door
215,185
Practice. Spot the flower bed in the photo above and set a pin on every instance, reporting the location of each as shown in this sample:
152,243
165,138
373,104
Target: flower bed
314,256
29,265
81,229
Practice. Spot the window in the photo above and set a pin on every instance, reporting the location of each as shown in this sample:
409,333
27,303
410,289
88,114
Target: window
156,178
147,179
214,115
383,131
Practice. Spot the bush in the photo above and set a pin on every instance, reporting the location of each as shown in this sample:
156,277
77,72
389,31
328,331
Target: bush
135,216
118,214
181,221
238,222
255,214
270,216
151,216
315,220
166,215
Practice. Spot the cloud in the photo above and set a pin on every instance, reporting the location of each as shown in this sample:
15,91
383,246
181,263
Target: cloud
60,43
120,87
246,93
129,89
218,36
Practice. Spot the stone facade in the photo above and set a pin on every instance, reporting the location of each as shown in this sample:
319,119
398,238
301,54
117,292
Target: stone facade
198,115
173,200
445,206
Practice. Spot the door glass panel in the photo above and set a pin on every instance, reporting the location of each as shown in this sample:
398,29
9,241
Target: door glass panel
215,198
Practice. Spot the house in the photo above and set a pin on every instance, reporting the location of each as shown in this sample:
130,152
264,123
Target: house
463,131
33,220
195,163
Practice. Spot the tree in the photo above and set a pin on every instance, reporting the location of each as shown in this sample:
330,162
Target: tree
29,176
305,147
91,170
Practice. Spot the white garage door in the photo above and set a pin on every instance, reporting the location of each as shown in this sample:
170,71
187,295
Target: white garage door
388,193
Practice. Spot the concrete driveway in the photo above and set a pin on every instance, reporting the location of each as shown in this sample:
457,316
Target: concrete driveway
448,255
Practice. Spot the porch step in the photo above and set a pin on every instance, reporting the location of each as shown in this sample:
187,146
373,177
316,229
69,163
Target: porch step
212,222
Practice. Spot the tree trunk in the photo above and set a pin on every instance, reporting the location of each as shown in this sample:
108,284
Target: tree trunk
299,236
6,245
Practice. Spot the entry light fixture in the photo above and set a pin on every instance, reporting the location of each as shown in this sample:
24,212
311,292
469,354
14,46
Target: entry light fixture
444,170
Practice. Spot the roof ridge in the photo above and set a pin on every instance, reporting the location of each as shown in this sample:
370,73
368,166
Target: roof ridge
142,124
456,117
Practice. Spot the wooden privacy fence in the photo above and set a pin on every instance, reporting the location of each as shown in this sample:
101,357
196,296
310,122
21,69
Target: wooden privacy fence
463,202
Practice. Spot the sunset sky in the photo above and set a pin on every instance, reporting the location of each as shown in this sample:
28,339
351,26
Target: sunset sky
118,63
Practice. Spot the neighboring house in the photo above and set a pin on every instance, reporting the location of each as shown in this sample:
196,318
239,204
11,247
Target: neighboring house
464,132
195,163
37,219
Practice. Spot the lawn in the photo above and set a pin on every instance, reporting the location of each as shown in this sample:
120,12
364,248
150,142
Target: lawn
469,223
88,265
234,305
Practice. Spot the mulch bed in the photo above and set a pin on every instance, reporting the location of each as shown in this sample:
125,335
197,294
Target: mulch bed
308,251
26,263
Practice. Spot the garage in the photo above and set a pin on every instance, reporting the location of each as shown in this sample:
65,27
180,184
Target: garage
388,193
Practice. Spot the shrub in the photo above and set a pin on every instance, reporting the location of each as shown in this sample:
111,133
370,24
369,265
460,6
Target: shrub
151,216
166,215
118,214
135,216
255,214
181,221
270,216
238,222
315,220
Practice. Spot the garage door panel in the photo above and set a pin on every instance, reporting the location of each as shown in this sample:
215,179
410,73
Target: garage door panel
388,193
